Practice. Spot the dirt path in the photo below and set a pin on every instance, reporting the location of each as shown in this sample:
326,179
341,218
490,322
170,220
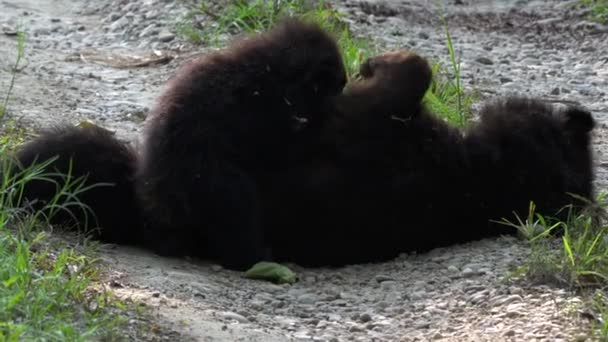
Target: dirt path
452,294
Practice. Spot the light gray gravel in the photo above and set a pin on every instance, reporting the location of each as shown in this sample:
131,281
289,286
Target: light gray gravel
541,48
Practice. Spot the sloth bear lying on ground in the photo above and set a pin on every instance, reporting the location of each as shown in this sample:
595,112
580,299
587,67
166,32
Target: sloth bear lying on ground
219,132
387,177
228,169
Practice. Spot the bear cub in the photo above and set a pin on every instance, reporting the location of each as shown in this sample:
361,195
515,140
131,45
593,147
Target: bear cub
220,133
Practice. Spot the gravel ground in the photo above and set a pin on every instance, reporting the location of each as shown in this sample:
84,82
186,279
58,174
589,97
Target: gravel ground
542,48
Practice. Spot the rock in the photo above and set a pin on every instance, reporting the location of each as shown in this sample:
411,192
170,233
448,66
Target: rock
484,60
479,297
166,36
152,14
303,335
114,16
453,269
514,310
339,302
588,49
530,61
418,295
307,299
388,285
468,273
41,32
365,318
256,305
119,24
509,333
132,7
422,325
334,317
441,305
310,279
149,30
382,278
549,21
356,328
233,316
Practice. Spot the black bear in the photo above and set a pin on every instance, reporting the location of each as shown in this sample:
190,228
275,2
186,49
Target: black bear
220,133
386,176
361,191
98,164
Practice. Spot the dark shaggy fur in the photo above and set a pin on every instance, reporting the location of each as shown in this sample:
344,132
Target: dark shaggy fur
525,150
221,131
94,156
389,177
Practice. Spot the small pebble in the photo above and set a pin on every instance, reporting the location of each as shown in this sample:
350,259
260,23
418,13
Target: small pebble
365,317
234,317
484,60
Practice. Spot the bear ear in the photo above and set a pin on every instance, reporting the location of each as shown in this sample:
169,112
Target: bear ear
578,120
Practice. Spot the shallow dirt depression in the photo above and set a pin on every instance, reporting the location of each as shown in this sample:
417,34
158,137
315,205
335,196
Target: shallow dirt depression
540,48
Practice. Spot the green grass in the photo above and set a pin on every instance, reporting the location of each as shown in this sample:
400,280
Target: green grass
598,304
354,50
260,15
19,56
46,286
446,97
599,9
578,259
234,17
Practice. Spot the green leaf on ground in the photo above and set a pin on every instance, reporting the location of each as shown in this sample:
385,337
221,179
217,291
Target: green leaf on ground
271,271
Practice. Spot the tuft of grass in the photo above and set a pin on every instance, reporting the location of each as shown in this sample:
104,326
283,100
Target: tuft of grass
44,284
578,259
599,9
446,96
599,306
20,51
44,291
260,15
235,17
